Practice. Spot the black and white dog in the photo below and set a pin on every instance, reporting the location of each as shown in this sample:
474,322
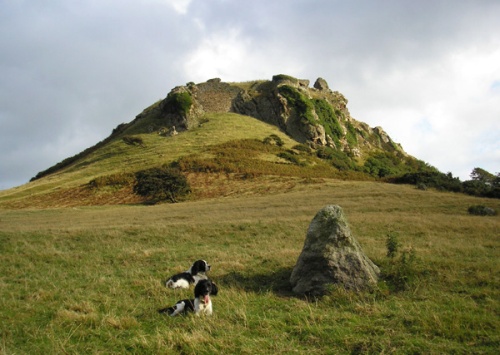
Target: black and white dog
201,304
196,272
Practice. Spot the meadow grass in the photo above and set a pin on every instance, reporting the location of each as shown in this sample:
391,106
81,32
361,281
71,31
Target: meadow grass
90,280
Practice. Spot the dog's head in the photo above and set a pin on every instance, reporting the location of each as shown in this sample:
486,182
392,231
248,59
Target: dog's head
199,266
204,289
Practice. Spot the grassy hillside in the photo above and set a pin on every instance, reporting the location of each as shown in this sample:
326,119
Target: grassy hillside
220,152
67,187
89,280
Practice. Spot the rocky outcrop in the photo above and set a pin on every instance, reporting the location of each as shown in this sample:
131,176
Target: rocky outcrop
321,84
331,255
314,116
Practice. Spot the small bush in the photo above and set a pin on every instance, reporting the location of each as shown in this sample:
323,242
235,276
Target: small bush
291,157
133,140
431,178
392,245
179,103
338,158
399,273
161,184
480,210
302,148
274,139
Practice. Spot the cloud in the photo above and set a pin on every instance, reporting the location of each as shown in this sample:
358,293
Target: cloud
233,57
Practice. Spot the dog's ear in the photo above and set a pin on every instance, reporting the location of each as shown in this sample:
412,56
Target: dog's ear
215,289
195,268
198,289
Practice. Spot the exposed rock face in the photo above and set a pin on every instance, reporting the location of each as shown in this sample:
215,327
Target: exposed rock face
321,84
331,255
317,116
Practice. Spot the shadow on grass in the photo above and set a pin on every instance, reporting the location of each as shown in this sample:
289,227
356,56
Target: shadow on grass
277,281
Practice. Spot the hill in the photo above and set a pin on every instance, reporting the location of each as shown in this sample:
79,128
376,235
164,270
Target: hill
225,138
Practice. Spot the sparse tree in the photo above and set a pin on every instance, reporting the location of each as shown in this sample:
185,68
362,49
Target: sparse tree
161,184
482,175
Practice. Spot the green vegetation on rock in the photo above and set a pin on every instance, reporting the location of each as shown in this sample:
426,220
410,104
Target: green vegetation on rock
302,105
329,120
179,103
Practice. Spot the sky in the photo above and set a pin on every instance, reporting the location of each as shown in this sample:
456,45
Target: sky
427,71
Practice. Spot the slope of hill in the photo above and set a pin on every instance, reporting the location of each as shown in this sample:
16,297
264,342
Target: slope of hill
226,138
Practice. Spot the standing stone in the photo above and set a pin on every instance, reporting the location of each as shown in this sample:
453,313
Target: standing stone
331,255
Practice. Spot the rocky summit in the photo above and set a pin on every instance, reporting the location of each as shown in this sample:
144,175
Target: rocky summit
284,127
316,115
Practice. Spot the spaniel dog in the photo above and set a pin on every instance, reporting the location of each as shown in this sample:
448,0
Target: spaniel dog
201,304
196,272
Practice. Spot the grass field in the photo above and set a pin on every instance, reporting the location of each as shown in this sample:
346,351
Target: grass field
89,280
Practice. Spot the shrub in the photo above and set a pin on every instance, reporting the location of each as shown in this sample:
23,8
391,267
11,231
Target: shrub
161,184
274,139
392,245
483,184
338,159
133,140
480,210
302,148
431,178
179,103
399,273
382,164
291,157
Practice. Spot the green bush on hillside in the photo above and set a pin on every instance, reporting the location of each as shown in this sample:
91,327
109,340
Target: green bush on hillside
338,158
401,273
480,210
431,178
483,184
274,139
179,103
162,184
383,164
291,157
133,140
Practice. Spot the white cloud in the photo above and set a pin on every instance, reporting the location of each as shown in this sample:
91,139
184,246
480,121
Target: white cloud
231,56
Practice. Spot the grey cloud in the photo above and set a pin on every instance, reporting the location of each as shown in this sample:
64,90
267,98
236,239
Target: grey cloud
72,71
